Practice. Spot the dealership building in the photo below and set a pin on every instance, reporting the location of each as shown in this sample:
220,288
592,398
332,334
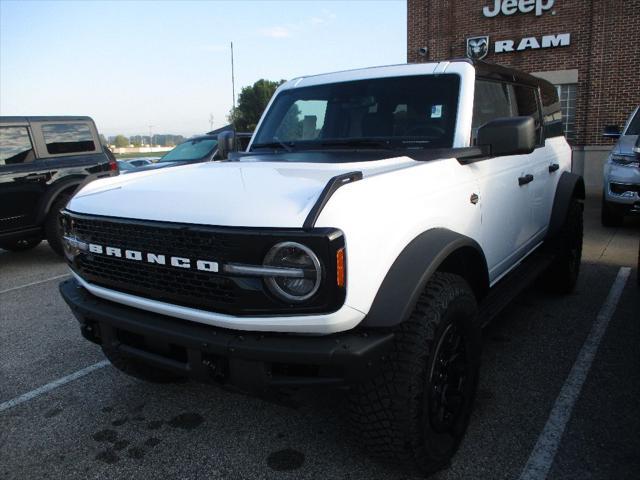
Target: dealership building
589,49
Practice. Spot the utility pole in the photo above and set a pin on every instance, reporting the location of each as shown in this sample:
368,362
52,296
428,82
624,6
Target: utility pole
211,121
150,138
233,85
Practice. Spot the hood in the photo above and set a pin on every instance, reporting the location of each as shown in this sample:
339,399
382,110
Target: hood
245,193
625,145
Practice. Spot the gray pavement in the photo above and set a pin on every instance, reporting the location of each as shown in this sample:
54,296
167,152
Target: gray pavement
108,425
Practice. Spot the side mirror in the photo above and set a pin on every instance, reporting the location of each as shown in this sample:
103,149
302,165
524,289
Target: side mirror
226,143
508,136
611,131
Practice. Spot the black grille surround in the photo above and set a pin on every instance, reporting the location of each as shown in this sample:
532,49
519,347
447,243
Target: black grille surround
211,291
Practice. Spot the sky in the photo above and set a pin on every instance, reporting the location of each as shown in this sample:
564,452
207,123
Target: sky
130,65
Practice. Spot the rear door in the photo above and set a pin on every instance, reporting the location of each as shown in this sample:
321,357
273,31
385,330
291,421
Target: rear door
23,178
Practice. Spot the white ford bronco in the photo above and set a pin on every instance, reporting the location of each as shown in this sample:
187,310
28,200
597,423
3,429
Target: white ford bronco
378,219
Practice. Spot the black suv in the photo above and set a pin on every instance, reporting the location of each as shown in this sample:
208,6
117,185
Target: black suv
43,161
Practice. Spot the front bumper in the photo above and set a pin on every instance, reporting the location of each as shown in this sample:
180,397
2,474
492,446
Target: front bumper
622,188
251,361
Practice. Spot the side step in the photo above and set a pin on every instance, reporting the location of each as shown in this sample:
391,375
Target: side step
512,285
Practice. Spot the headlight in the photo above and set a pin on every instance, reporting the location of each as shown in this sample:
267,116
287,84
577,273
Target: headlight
300,274
624,160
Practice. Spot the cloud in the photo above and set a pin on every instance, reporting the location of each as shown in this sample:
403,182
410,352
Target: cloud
276,32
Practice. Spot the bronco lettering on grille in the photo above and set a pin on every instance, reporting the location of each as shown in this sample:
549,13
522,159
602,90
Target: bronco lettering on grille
138,256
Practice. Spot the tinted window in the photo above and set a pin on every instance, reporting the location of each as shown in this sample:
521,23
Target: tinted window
551,110
491,100
68,138
414,112
15,146
191,150
634,126
527,104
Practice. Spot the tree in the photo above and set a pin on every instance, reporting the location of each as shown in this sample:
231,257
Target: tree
251,103
121,141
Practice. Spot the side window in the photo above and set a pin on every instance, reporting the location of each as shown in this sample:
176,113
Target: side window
491,100
15,146
552,112
68,138
527,106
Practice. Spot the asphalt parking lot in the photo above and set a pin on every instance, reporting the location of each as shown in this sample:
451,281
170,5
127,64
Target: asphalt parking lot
104,424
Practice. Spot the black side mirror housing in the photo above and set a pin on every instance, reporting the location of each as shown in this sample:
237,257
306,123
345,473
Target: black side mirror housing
226,143
611,131
508,136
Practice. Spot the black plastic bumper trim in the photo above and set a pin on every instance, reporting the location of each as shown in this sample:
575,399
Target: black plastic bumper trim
250,360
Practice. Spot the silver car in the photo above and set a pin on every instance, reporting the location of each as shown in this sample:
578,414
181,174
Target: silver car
621,193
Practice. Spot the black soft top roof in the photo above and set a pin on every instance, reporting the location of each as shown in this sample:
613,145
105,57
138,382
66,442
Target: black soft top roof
500,72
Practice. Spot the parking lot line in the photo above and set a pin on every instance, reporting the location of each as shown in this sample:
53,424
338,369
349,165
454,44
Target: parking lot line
34,283
544,452
51,386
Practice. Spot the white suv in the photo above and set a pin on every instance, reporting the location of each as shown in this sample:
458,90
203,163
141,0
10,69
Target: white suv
379,218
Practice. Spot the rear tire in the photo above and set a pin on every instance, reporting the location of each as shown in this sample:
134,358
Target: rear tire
138,369
562,274
52,226
21,245
608,216
416,410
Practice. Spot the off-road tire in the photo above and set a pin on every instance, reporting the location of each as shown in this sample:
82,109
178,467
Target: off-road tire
393,412
608,216
138,369
562,274
52,227
20,245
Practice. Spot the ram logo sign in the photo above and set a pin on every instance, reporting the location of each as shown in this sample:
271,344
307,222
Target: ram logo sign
477,47
532,43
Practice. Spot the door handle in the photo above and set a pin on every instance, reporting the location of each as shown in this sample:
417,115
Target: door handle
528,178
36,177
553,167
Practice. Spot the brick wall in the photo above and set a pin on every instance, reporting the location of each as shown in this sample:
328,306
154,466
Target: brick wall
605,48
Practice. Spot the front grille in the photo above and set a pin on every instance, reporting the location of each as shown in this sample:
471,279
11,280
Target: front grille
189,287
620,188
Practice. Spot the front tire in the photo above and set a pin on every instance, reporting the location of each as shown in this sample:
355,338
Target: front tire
608,216
52,226
416,411
21,245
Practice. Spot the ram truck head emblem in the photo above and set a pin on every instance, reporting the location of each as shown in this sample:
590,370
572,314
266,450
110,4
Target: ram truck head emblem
477,47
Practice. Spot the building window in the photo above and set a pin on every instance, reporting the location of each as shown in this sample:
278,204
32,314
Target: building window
567,94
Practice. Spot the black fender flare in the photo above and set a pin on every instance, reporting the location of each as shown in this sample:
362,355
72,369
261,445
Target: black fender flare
570,185
74,182
419,260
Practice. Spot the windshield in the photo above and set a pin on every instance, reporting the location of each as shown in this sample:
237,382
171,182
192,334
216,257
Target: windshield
634,125
191,150
396,112
125,165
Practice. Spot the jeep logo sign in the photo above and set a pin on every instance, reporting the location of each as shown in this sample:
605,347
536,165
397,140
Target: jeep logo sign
509,7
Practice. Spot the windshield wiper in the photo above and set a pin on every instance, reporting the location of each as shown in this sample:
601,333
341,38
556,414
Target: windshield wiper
354,142
277,143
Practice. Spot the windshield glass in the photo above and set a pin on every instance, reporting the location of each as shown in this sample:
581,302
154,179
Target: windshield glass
191,150
634,126
396,112
125,165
